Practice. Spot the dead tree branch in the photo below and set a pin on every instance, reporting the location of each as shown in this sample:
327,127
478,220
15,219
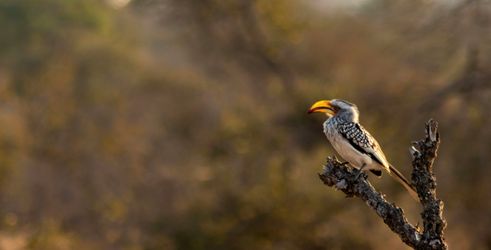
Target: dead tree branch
343,178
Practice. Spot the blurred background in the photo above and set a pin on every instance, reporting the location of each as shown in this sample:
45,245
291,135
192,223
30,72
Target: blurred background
181,124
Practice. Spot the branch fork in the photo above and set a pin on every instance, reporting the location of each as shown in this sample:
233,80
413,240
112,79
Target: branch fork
336,174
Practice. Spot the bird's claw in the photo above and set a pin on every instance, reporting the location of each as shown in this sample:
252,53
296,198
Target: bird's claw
360,172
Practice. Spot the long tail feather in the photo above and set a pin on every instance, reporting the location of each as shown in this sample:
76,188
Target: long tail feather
400,178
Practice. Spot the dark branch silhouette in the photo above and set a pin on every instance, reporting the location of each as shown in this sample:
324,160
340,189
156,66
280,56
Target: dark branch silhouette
343,178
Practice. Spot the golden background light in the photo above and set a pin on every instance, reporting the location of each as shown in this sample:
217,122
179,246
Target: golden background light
118,3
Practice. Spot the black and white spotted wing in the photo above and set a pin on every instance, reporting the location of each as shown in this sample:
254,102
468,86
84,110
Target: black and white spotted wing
362,141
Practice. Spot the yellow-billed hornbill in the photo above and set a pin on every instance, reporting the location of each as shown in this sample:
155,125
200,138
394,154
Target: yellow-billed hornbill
353,142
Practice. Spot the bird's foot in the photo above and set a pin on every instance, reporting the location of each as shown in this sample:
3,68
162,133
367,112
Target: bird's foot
360,172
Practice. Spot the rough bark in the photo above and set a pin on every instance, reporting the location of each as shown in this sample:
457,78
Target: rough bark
343,178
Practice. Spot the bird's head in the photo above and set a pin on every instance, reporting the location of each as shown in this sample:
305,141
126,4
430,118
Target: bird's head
336,107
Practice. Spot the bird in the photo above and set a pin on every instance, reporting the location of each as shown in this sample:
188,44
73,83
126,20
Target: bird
353,142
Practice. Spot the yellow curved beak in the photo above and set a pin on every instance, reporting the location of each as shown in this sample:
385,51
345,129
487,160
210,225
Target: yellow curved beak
323,106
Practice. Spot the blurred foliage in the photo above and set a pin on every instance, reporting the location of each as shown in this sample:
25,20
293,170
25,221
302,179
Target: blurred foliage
181,124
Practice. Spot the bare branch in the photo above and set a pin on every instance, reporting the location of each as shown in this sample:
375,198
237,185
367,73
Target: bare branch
425,183
344,179
338,175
